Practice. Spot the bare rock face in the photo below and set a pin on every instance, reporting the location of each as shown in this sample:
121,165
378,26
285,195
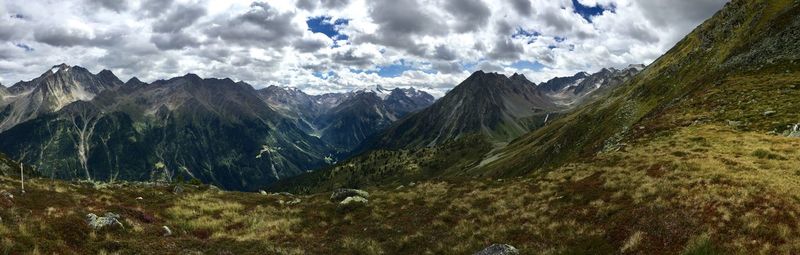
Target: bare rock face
499,249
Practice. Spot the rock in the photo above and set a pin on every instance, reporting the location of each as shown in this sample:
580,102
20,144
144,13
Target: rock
734,123
294,201
109,220
7,195
400,187
769,113
139,198
178,189
794,132
290,202
287,194
499,249
412,184
262,192
341,194
352,203
167,231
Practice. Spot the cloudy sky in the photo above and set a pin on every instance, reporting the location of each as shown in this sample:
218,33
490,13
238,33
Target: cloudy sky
340,45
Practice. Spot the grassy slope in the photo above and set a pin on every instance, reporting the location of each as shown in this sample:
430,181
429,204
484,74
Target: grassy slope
703,187
714,52
393,167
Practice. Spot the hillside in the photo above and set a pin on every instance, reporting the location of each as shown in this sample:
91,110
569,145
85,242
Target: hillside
655,198
736,67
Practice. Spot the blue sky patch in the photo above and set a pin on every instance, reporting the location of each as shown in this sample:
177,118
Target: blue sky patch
394,70
523,64
522,33
324,75
327,26
587,12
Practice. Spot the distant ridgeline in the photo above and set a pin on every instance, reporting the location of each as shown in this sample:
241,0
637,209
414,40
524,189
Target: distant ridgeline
69,123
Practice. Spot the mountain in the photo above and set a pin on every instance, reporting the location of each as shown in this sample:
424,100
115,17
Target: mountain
558,84
296,104
451,137
54,89
489,103
575,89
356,118
405,101
344,120
216,130
728,71
499,107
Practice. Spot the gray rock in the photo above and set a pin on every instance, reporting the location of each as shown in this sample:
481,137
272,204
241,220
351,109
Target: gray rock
7,195
341,194
167,231
794,132
290,202
262,192
499,249
109,220
178,189
351,203
770,113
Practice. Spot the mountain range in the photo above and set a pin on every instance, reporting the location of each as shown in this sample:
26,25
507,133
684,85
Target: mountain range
72,124
499,107
344,120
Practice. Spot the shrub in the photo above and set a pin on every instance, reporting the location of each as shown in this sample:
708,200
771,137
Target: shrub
701,246
765,154
195,181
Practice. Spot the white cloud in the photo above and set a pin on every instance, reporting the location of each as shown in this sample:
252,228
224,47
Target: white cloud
269,43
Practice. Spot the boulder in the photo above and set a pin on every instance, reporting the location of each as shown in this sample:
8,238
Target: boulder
351,203
178,189
108,220
262,192
167,231
341,194
290,202
499,249
794,132
7,195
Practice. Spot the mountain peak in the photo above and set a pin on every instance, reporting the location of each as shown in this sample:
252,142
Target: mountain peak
134,82
56,69
521,78
105,73
192,77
